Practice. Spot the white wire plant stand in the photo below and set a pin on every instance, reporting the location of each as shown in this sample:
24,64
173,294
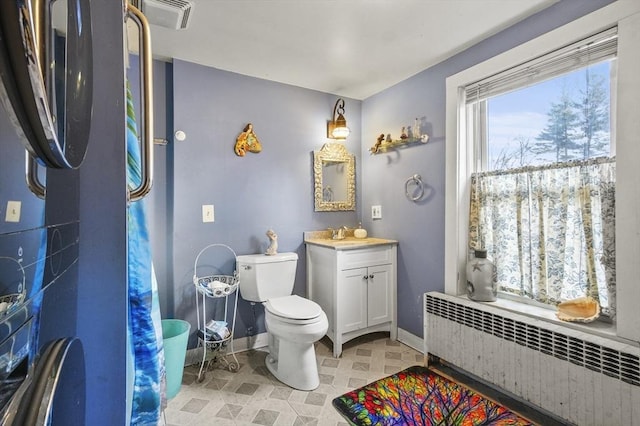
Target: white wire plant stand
216,335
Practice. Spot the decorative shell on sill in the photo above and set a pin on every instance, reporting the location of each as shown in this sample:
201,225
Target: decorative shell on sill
582,309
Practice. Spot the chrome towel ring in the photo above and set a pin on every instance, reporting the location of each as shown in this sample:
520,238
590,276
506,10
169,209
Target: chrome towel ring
418,193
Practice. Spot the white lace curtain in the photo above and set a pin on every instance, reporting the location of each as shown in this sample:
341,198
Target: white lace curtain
550,230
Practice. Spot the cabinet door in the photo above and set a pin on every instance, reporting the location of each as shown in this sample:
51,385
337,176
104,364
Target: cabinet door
352,299
380,295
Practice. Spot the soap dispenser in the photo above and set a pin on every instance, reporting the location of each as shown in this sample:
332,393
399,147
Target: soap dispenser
360,232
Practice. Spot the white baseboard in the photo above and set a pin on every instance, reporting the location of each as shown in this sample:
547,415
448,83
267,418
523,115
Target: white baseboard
194,356
411,340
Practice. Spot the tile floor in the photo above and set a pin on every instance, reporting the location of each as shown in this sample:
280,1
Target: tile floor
253,396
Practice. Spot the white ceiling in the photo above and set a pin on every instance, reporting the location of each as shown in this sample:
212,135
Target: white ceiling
352,48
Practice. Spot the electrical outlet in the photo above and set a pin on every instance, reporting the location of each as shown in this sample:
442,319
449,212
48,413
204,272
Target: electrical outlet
376,212
208,214
13,211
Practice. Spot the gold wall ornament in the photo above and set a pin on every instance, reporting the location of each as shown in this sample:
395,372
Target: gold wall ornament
334,168
247,141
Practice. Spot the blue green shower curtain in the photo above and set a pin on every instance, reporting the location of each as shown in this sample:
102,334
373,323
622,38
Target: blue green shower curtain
144,325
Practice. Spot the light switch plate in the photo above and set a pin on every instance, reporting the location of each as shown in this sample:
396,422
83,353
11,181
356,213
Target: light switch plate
208,213
376,212
13,211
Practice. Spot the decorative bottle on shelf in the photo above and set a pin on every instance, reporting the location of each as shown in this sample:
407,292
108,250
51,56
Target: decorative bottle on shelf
481,278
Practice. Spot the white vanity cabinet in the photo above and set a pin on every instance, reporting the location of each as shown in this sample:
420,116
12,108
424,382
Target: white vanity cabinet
356,287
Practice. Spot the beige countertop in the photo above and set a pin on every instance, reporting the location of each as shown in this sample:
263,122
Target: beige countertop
348,243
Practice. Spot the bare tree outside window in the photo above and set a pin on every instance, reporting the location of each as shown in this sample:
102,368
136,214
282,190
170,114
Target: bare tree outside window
566,118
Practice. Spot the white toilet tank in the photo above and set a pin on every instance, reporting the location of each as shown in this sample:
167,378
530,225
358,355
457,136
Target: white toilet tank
264,277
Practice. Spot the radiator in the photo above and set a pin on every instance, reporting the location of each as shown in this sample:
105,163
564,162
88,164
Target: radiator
582,378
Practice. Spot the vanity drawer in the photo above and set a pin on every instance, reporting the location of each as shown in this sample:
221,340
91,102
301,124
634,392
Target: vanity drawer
380,255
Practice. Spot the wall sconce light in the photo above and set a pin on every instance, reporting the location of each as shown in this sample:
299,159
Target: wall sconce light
337,127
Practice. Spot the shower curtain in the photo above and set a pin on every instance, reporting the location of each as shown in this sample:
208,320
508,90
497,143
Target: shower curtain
144,323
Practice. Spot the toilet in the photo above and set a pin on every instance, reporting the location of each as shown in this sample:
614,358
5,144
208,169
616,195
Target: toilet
293,323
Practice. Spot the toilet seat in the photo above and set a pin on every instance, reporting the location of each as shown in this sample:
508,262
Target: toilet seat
294,309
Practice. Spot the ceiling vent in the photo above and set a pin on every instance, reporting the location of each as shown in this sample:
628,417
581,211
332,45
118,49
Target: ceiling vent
172,14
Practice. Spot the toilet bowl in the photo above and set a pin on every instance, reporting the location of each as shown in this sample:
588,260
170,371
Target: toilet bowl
294,324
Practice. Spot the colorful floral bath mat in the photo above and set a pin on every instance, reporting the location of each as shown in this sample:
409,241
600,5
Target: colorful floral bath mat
420,396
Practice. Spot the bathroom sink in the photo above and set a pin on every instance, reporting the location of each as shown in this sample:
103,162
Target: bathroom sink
348,242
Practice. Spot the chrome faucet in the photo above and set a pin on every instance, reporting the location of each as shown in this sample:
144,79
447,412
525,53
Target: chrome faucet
338,234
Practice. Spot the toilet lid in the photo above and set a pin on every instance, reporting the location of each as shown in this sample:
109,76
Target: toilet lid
293,307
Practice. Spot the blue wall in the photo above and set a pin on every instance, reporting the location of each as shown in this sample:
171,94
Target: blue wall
251,194
273,189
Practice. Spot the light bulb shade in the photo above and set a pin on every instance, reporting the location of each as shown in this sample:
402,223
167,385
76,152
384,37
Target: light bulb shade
337,127
340,132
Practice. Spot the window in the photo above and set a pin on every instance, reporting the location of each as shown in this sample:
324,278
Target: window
542,197
625,128
550,109
562,119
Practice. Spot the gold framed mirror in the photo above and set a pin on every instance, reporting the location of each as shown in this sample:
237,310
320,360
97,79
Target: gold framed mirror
334,175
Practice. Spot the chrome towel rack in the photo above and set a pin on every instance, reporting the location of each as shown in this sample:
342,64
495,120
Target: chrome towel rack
418,192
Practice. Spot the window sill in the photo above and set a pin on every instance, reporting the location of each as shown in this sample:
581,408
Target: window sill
596,328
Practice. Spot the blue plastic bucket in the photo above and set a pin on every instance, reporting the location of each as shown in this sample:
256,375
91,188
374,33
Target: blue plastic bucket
175,334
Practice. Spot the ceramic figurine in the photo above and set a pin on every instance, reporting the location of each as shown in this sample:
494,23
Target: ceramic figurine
416,129
389,137
273,243
403,133
376,147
